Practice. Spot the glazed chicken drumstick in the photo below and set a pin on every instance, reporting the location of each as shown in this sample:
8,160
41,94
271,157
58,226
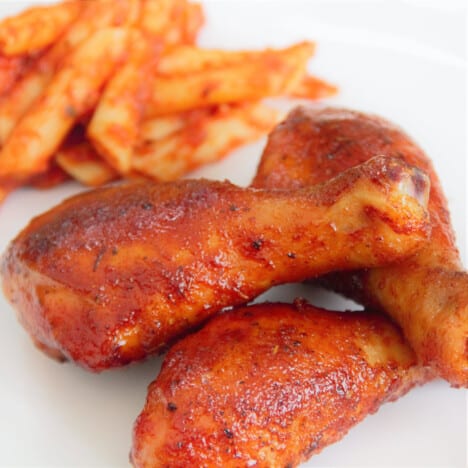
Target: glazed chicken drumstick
426,294
270,385
113,275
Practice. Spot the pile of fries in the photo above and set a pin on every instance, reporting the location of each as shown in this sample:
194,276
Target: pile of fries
103,89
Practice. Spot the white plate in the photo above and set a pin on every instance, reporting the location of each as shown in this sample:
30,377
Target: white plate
403,60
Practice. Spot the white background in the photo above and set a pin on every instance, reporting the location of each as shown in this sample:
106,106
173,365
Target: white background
402,59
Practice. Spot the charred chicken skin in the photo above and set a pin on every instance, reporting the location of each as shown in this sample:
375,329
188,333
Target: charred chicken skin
113,275
270,385
426,294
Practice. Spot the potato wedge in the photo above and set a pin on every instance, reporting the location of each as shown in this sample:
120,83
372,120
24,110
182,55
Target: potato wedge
11,69
156,17
161,127
115,125
187,19
97,14
171,21
186,59
36,27
73,91
19,100
272,75
207,136
192,22
145,97
311,87
82,162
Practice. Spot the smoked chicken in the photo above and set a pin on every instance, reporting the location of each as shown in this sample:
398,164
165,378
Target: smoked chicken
110,276
269,386
426,294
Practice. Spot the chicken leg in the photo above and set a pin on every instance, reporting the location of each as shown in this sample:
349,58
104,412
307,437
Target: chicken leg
426,294
113,275
269,386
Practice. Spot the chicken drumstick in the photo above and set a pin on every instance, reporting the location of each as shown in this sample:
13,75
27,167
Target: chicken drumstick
113,275
426,294
270,385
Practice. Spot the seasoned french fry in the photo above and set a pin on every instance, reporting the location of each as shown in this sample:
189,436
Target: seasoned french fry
158,128
161,127
19,100
36,27
271,75
82,163
174,34
171,21
73,91
187,19
97,14
311,87
206,139
186,59
156,17
192,23
143,100
115,126
11,69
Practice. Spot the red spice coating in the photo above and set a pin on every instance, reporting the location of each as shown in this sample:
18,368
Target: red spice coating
426,294
270,385
113,275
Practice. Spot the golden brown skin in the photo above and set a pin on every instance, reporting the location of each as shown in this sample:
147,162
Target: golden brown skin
113,275
426,294
270,385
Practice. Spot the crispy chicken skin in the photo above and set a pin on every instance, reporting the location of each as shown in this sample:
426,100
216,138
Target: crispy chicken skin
113,275
270,385
428,293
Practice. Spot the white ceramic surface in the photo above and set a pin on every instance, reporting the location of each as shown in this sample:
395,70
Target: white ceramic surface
402,59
